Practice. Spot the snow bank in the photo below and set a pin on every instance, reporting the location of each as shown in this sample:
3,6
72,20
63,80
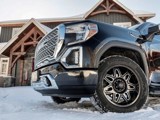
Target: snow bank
23,103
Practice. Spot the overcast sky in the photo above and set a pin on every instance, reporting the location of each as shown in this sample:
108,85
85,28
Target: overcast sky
26,9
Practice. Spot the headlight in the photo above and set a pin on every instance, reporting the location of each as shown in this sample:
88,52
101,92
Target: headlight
81,32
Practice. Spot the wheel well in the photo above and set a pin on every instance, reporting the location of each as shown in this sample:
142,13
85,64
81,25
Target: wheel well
134,55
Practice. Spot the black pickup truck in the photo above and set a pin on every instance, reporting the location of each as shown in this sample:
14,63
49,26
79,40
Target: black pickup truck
117,67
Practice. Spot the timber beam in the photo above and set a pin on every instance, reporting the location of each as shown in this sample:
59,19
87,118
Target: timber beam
108,7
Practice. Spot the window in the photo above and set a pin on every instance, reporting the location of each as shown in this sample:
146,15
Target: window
4,66
123,24
15,31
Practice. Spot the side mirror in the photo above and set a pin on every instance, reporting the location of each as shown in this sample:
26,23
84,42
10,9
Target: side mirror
152,31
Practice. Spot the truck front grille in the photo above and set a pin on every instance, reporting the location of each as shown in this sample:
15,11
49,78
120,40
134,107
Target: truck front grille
46,48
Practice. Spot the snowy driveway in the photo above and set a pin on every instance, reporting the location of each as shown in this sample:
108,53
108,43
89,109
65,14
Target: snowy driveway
23,103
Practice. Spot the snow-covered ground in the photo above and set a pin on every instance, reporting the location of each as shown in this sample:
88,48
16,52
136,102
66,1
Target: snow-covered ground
23,103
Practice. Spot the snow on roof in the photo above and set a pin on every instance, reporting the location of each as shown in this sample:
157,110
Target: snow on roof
136,15
45,28
45,20
2,45
141,13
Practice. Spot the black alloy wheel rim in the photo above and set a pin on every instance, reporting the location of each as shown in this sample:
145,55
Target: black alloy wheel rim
121,86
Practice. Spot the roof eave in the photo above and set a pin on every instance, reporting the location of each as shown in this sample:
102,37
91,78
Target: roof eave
20,31
146,15
47,20
93,8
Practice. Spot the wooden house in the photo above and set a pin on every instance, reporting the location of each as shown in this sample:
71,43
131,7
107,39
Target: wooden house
19,38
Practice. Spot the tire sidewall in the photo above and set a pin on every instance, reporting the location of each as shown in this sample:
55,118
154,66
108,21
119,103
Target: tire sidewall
114,61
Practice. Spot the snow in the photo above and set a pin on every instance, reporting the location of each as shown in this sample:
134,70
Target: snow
2,44
23,103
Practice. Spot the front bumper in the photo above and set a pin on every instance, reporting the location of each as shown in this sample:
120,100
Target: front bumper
45,82
54,80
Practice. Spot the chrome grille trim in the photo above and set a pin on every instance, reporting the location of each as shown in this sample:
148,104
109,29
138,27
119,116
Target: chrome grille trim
47,48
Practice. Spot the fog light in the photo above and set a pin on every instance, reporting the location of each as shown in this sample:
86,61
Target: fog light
72,58
76,57
46,81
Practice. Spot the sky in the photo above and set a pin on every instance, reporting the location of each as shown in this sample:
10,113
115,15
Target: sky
26,9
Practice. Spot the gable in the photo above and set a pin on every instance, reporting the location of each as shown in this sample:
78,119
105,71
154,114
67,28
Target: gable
31,28
107,7
115,10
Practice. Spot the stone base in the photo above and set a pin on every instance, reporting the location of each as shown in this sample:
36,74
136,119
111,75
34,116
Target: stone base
7,81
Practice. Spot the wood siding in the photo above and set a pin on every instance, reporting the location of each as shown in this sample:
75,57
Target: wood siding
113,18
6,34
51,25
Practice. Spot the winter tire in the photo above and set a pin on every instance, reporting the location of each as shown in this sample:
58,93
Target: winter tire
122,85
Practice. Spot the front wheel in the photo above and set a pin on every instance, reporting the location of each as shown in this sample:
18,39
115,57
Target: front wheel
62,100
122,85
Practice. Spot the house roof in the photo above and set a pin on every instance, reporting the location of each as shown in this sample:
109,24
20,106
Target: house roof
2,45
119,4
144,14
42,20
136,16
44,29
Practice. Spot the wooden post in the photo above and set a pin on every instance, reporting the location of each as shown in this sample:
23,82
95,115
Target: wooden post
21,71
10,65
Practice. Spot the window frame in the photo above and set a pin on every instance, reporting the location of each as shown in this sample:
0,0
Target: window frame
5,63
123,24
15,30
